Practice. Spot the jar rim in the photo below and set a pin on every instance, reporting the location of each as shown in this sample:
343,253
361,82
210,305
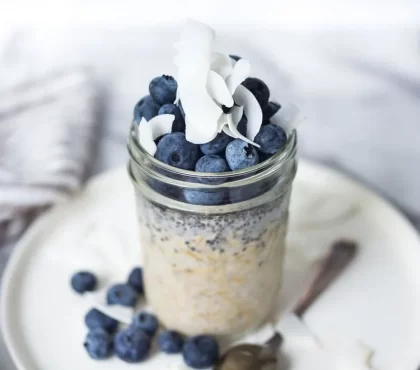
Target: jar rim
140,156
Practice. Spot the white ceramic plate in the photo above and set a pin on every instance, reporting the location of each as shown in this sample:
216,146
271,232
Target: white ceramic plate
376,301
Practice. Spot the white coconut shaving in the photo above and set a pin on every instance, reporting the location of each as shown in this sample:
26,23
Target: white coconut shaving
289,117
232,130
252,110
209,80
240,73
193,58
149,131
217,89
221,64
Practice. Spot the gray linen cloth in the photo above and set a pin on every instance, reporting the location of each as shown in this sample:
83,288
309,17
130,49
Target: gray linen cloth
46,136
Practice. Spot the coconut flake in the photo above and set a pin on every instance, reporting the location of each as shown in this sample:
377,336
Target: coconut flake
151,130
218,90
252,110
203,113
161,125
221,64
232,130
193,60
145,137
289,117
197,32
240,72
197,135
237,113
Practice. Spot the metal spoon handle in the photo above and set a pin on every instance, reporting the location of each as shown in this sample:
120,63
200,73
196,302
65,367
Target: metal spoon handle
339,257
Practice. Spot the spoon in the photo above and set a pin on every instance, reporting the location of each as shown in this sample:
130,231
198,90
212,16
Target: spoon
257,357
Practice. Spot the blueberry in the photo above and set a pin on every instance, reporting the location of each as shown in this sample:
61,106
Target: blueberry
96,319
247,192
83,281
211,163
204,197
243,193
270,138
135,280
158,139
259,89
122,294
167,190
217,145
200,352
176,151
264,156
240,155
146,322
242,125
146,108
170,342
163,89
132,345
98,344
179,123
235,57
270,110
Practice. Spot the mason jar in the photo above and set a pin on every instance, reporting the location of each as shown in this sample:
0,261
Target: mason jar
214,269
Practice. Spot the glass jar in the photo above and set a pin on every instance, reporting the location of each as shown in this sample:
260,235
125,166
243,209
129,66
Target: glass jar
213,269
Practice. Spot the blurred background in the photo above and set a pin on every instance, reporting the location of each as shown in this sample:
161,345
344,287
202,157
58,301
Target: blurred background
71,72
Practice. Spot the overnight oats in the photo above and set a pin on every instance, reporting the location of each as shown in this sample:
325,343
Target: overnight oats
212,160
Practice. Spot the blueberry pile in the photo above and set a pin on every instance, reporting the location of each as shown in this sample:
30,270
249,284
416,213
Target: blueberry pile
222,154
133,344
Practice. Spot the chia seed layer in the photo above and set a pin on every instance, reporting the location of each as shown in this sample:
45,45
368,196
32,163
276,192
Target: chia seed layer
218,274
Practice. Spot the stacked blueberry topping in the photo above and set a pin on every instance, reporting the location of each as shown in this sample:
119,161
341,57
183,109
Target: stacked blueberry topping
133,344
222,154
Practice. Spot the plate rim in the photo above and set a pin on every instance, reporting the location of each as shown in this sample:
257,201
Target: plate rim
25,241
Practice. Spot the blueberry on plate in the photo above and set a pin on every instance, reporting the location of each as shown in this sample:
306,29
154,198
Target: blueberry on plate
98,344
204,197
146,108
135,280
132,345
270,110
240,155
96,319
270,138
217,145
212,163
259,89
163,89
234,57
146,322
179,122
170,341
122,294
83,281
175,150
200,352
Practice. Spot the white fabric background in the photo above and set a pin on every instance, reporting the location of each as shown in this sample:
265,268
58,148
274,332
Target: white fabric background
359,84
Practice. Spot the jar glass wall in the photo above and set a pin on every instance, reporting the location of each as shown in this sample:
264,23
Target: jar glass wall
214,269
